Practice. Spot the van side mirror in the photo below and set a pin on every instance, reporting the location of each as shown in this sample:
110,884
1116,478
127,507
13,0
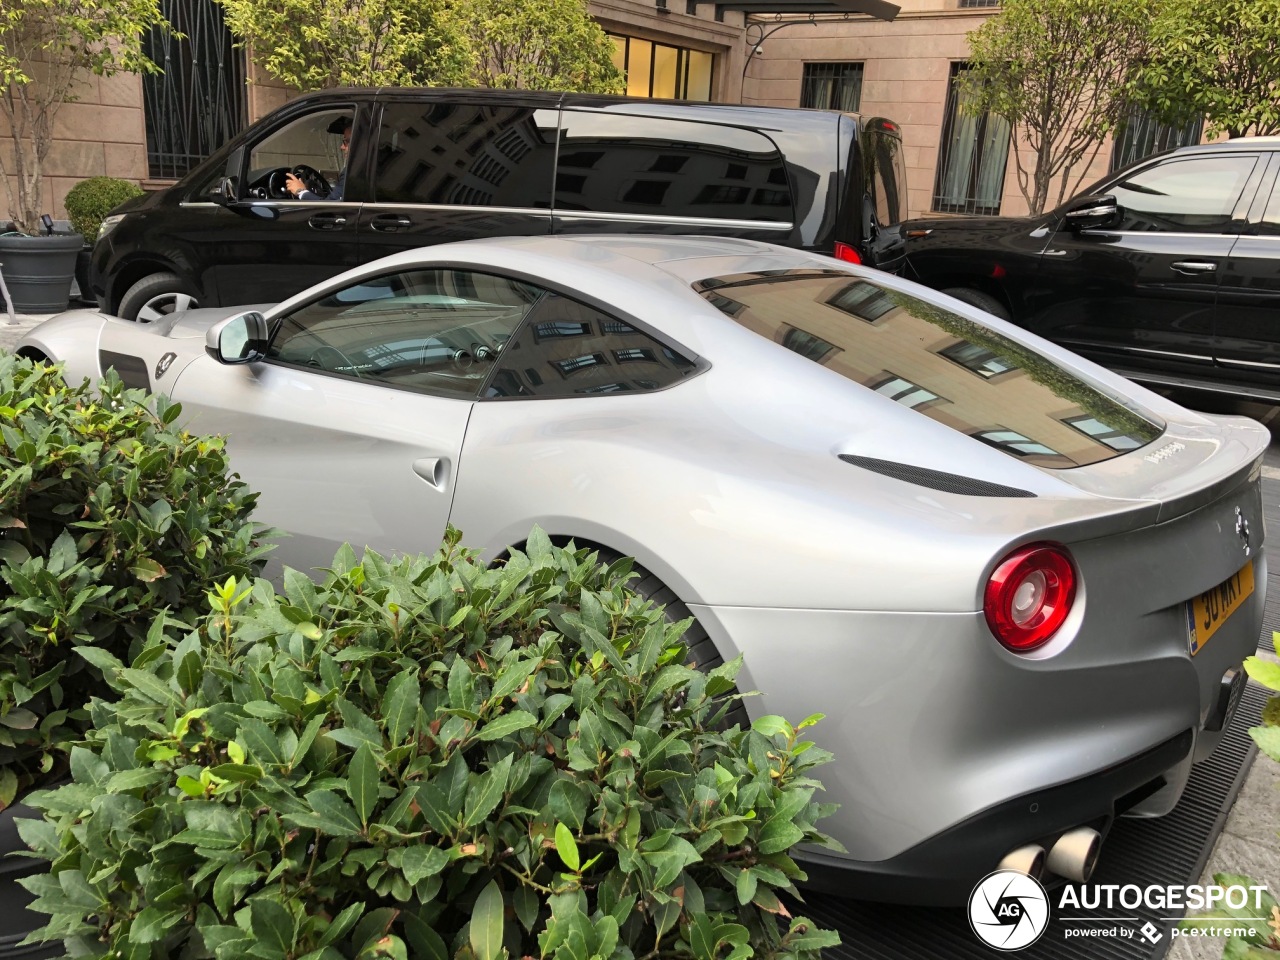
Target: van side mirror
1092,212
242,338
223,192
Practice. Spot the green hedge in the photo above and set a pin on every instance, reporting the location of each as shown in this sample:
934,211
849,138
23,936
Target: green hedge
108,515
89,201
429,758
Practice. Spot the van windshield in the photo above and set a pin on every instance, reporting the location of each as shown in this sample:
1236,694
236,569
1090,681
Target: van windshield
942,365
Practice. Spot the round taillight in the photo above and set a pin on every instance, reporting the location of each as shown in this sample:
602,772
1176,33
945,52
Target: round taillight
1029,596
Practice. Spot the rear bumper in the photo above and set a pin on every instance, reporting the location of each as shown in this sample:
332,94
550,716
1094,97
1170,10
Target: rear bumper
943,870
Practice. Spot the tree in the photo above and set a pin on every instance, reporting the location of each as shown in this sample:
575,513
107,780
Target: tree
314,44
539,45
46,48
1058,71
1217,59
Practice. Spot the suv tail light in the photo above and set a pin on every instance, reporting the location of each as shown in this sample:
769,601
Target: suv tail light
845,252
1029,596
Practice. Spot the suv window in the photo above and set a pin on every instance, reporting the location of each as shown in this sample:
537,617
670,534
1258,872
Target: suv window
314,140
1197,194
477,155
433,331
942,365
611,163
567,349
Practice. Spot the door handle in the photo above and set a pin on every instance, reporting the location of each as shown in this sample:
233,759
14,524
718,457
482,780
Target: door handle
390,223
434,470
326,221
1193,267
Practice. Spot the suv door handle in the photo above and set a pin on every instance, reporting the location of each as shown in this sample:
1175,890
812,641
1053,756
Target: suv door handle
1193,267
391,223
326,221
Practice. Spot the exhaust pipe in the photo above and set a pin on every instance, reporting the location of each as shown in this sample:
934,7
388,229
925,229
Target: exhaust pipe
1075,854
1027,860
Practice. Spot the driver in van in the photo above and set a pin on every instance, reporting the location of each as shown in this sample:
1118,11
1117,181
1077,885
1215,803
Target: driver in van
293,183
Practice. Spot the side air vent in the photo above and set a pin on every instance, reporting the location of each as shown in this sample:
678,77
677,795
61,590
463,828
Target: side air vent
935,479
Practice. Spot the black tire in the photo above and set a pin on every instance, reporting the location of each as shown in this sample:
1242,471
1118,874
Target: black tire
983,301
703,654
156,296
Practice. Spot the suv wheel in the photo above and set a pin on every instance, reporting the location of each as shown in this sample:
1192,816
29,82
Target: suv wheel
983,301
155,297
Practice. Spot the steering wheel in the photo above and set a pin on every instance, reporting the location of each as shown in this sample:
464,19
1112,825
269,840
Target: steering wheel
314,180
323,357
276,190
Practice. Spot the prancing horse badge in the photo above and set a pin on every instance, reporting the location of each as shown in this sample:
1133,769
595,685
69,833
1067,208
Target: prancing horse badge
165,363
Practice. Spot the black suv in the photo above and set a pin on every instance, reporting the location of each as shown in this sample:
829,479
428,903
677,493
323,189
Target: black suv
429,166
1167,271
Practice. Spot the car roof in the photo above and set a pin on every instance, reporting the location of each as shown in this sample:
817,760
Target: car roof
1236,143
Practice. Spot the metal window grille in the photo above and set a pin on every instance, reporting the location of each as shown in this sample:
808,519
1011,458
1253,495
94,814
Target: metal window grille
1142,135
832,86
972,157
965,4
198,102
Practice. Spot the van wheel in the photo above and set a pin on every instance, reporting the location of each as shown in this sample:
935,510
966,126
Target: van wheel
702,649
983,301
156,296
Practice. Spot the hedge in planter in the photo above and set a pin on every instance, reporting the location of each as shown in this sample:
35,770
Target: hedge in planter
429,758
89,201
108,515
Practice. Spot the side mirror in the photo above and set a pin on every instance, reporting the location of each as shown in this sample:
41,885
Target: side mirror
1091,212
223,192
239,339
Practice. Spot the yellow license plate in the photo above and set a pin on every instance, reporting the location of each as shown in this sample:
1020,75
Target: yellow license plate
1209,611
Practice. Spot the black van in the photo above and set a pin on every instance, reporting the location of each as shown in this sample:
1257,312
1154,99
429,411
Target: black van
428,166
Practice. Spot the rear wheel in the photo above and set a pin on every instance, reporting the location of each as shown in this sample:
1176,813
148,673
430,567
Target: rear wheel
702,649
156,296
983,301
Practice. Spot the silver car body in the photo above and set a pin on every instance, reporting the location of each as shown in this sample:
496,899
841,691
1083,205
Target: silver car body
848,592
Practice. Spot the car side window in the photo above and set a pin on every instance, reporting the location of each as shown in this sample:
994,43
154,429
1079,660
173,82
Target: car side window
433,331
651,166
311,145
1192,195
1270,223
569,349
478,155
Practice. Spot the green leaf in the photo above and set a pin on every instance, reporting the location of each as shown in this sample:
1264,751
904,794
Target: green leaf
485,794
1263,671
771,726
273,924
567,848
362,782
147,570
486,923
506,725
261,741
331,815
527,906
152,924
421,861
746,886
404,693
778,836
568,803
1268,740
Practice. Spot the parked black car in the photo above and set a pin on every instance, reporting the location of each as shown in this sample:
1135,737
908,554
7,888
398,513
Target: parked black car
1168,271
428,166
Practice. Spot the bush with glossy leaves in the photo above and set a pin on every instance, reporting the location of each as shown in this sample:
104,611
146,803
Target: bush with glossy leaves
430,758
108,515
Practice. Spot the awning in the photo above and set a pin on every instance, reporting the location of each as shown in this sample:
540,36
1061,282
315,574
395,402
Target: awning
880,9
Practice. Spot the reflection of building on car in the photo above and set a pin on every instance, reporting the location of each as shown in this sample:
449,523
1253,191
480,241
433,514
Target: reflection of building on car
430,166
977,553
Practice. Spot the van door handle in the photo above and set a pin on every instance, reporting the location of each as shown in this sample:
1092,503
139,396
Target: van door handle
326,221
390,223
434,470
1193,267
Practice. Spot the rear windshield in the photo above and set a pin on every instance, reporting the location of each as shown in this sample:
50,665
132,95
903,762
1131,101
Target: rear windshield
948,368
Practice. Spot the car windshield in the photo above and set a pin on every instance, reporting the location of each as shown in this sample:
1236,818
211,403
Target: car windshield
942,365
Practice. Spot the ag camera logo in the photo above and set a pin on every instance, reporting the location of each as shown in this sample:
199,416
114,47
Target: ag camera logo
1008,910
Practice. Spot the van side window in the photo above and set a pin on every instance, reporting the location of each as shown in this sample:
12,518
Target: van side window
663,167
475,155
567,349
887,180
